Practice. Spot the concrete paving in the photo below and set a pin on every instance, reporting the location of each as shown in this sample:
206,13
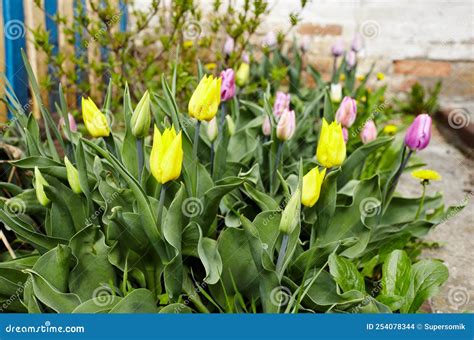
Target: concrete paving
455,236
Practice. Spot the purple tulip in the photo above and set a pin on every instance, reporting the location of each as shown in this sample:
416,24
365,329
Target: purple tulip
267,126
227,85
286,125
347,112
419,133
351,59
345,134
245,58
369,132
229,45
337,49
282,103
357,43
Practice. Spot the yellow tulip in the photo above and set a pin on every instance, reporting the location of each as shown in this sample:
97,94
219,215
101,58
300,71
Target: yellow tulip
40,183
95,121
206,98
243,74
166,157
331,147
312,182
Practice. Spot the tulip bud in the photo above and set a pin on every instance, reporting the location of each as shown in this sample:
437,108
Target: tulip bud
245,58
312,182
369,132
243,74
305,44
291,215
227,85
282,103
419,133
94,120
270,40
357,43
212,130
40,183
345,134
267,126
72,176
347,112
141,117
286,125
230,125
331,149
337,49
72,123
351,59
166,158
336,93
205,100
229,45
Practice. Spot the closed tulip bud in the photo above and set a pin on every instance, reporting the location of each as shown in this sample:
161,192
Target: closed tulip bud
141,117
228,84
246,58
336,93
243,74
230,125
282,103
206,98
369,132
267,126
72,123
345,134
40,183
94,120
305,44
357,43
212,130
270,40
337,49
351,59
419,133
229,45
331,147
166,157
72,176
291,215
347,112
286,125
312,182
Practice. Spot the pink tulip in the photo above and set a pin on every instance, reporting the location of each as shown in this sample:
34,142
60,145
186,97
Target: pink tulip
227,85
345,134
347,112
419,133
267,126
282,103
229,45
246,58
286,125
357,43
351,59
337,49
369,132
72,122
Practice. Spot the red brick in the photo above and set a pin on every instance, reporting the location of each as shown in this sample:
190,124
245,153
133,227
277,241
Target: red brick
314,29
422,68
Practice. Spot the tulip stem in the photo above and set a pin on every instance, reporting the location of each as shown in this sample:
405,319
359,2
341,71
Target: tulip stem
276,166
422,201
139,144
282,253
394,183
161,204
212,159
221,122
196,139
334,70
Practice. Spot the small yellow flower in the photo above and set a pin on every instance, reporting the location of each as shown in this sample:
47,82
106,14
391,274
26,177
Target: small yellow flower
331,149
211,66
390,129
342,77
380,76
166,157
312,182
94,120
188,43
363,99
360,77
242,75
205,100
426,175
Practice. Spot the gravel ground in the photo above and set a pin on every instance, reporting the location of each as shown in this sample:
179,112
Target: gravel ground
456,234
